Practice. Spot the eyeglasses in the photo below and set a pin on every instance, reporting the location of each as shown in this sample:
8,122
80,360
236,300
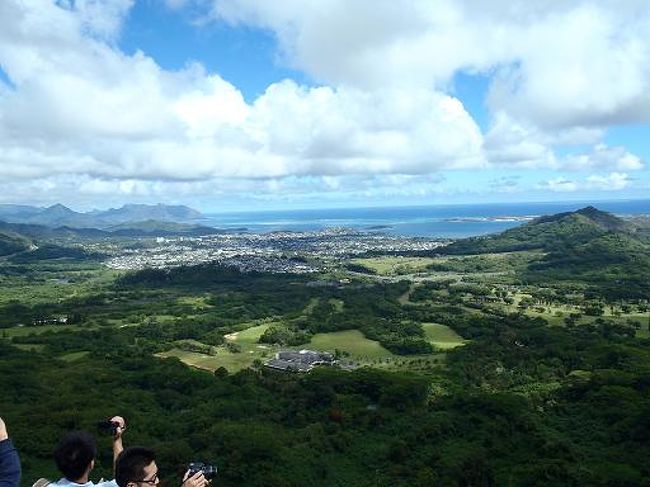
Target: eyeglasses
152,481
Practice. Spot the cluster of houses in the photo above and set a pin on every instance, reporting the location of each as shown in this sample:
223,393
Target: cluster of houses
299,361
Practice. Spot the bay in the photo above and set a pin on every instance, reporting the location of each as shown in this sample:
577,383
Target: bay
445,221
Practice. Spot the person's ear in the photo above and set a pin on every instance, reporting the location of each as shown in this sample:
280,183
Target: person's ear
92,464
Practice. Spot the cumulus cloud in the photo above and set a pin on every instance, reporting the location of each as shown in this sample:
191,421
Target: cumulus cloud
558,64
559,185
79,105
604,157
78,111
614,181
509,143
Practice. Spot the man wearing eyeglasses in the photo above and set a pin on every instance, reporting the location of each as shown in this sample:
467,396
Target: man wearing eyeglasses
75,457
136,467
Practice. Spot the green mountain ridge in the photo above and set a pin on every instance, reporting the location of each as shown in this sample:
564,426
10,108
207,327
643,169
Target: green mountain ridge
546,233
588,246
149,228
160,228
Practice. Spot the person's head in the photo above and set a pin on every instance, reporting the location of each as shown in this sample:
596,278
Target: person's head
136,467
75,455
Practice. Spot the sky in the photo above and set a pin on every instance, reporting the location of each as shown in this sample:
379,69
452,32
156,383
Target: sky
229,105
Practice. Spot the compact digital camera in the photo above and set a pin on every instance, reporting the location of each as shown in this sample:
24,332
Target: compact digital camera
209,471
108,427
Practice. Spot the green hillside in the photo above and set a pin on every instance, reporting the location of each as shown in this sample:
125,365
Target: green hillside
545,233
10,243
616,263
159,228
589,246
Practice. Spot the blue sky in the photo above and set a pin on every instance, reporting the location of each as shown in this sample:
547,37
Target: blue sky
247,104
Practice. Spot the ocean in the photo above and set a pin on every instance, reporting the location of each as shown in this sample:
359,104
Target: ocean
445,221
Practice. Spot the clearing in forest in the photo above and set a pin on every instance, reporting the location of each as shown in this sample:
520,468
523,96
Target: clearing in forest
350,341
441,336
395,265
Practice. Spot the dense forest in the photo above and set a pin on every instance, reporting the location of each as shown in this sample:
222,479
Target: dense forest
523,404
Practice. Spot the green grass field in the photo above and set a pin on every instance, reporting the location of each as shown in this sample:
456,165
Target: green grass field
50,290
20,331
390,266
233,362
72,356
249,335
351,341
442,337
247,340
197,302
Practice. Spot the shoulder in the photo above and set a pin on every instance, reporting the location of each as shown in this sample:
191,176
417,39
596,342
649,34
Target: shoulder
66,483
107,483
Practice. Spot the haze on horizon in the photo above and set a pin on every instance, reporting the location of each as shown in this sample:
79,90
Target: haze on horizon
249,104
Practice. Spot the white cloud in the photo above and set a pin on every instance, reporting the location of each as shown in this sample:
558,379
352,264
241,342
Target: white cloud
559,185
80,106
509,143
559,64
615,181
81,112
604,157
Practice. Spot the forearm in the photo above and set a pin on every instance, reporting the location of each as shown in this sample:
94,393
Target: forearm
117,449
9,465
120,425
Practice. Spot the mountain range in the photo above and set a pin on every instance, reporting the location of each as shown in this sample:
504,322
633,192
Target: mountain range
59,215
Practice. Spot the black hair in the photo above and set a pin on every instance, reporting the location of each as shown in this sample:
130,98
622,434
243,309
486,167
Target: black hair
74,453
131,463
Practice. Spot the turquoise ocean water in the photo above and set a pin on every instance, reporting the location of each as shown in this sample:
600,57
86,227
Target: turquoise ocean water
448,221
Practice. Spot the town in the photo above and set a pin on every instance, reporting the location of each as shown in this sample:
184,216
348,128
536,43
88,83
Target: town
279,252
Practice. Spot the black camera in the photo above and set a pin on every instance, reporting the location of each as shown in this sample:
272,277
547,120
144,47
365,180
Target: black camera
108,427
209,471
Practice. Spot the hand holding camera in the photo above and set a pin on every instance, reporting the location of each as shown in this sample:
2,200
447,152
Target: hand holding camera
199,474
114,426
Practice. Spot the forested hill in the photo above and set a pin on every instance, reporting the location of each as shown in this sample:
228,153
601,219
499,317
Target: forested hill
148,228
159,228
588,246
548,233
10,243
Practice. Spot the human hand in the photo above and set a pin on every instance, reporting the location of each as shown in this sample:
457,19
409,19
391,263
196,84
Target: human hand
3,431
121,426
196,480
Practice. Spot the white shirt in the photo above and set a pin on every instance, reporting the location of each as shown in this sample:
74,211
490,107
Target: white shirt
67,483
